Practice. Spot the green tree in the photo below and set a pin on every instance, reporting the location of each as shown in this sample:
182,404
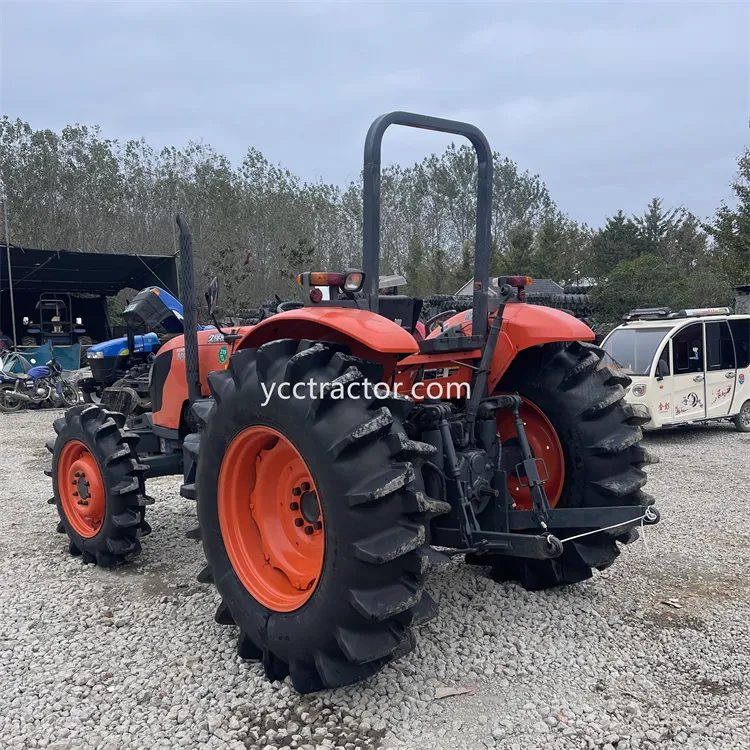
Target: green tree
730,228
647,281
518,256
465,269
415,265
619,240
654,226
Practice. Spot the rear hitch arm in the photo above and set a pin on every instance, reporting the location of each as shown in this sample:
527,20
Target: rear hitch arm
468,523
530,465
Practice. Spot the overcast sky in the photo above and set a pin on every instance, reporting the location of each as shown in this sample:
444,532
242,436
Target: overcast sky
611,104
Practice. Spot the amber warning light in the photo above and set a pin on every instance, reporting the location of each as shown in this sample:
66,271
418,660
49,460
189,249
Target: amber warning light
349,282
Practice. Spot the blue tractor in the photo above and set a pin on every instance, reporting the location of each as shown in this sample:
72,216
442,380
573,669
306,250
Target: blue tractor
125,361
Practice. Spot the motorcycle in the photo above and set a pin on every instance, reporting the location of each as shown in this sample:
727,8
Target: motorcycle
35,386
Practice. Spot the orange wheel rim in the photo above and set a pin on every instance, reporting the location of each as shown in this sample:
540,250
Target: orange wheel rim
270,518
81,489
545,444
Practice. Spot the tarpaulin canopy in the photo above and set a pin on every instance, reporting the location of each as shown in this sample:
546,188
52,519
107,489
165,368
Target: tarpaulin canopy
96,273
80,281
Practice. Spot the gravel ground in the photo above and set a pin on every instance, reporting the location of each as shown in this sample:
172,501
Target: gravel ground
91,658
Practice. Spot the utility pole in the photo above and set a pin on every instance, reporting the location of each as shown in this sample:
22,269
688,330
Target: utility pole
10,272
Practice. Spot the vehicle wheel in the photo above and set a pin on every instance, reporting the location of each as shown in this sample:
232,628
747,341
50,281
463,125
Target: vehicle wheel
8,404
98,485
69,393
589,437
86,341
92,397
312,516
742,420
28,341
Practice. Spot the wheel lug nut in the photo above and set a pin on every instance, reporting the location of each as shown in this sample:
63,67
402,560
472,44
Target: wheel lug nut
266,557
296,492
293,506
308,530
75,494
305,486
298,522
78,474
318,525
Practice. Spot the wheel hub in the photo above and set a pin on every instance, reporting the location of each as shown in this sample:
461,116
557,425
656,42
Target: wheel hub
545,445
81,489
310,508
271,519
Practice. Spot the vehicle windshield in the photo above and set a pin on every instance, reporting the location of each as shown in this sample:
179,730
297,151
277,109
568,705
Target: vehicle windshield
633,349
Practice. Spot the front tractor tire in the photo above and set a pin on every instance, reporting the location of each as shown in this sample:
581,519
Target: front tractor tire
98,485
577,420
312,515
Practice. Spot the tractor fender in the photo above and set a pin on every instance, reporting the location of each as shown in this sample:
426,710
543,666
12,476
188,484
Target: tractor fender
369,335
525,326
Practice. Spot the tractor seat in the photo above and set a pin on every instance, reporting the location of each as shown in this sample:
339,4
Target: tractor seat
450,340
401,309
17,375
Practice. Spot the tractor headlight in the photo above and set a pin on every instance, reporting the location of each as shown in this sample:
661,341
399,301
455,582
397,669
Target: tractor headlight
639,390
94,355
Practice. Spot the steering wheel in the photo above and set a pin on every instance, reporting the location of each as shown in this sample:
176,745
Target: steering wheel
284,306
438,319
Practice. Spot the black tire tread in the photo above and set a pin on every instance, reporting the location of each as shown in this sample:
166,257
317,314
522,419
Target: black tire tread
118,540
372,624
586,398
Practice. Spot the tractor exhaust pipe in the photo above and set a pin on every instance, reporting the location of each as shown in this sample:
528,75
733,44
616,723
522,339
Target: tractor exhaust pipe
190,314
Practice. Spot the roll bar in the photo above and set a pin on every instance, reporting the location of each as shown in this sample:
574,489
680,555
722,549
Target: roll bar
371,205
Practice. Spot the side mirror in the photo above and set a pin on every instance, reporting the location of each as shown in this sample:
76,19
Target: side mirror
662,369
212,296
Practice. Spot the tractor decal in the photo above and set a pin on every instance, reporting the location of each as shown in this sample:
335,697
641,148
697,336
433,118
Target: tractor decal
742,378
664,407
223,354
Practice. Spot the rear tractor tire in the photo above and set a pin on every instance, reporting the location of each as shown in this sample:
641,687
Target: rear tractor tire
312,515
589,437
98,485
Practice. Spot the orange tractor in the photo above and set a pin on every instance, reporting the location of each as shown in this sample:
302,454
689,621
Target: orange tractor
334,457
